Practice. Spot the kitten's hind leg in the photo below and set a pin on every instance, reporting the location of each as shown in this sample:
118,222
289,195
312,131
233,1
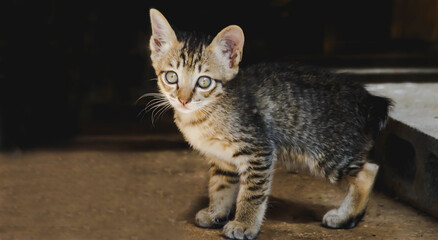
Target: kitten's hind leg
353,207
222,191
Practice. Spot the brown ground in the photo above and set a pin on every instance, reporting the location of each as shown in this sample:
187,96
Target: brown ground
151,188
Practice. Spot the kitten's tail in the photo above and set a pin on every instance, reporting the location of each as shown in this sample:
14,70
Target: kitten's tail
378,109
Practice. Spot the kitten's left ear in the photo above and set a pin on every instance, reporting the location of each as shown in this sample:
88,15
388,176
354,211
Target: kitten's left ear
228,45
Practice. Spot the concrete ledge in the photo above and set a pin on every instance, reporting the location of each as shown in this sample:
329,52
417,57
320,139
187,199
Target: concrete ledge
407,150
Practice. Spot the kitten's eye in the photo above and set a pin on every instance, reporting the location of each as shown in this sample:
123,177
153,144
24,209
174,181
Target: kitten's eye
171,77
204,82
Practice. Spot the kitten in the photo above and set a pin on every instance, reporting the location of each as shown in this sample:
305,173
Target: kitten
245,121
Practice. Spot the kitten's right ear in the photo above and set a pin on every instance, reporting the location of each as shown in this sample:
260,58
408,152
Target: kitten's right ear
163,36
228,45
227,48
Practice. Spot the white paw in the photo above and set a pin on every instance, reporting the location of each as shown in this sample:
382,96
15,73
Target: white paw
337,219
205,219
333,219
240,230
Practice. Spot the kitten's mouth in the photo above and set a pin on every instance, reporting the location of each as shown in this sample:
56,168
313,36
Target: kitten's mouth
184,108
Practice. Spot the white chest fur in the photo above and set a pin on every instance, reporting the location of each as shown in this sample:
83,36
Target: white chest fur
207,139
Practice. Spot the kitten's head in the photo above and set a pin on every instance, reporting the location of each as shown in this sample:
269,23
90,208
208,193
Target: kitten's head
191,68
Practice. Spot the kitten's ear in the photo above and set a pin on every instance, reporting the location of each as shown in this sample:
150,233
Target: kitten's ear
163,35
228,45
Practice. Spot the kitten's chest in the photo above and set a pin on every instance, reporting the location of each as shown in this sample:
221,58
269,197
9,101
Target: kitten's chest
209,139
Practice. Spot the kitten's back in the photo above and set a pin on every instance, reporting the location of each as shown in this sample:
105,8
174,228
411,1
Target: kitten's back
313,114
314,91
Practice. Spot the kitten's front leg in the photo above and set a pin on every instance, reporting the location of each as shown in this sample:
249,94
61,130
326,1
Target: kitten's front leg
252,199
223,187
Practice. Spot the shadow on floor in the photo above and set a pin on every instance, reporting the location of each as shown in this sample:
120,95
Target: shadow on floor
295,212
278,210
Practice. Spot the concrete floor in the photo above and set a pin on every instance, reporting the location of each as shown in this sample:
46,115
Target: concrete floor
151,187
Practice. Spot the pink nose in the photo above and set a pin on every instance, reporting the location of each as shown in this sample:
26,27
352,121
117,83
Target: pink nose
184,101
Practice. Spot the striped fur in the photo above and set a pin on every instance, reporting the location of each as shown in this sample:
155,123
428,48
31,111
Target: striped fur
248,119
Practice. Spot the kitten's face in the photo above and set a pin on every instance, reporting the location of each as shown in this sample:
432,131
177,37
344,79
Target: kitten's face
191,70
188,77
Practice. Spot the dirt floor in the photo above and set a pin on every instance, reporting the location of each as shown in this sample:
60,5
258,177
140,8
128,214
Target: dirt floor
152,187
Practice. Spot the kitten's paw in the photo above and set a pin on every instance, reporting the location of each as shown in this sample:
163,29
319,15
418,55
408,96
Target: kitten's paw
240,230
337,219
204,219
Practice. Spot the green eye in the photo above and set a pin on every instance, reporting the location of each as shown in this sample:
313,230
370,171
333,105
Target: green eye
171,77
204,82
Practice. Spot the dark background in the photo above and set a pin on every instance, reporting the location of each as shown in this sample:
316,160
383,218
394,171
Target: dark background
71,68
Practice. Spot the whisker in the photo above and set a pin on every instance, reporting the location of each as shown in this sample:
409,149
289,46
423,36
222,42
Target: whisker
163,110
153,102
141,113
153,105
156,110
149,107
149,95
158,100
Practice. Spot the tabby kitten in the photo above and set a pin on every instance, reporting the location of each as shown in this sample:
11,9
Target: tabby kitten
245,121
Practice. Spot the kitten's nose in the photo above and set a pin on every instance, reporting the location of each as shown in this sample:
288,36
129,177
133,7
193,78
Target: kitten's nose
184,101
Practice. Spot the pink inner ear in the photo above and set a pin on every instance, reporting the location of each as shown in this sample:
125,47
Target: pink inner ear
162,33
232,59
157,42
230,50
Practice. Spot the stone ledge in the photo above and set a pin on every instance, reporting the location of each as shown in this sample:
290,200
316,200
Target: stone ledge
407,150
